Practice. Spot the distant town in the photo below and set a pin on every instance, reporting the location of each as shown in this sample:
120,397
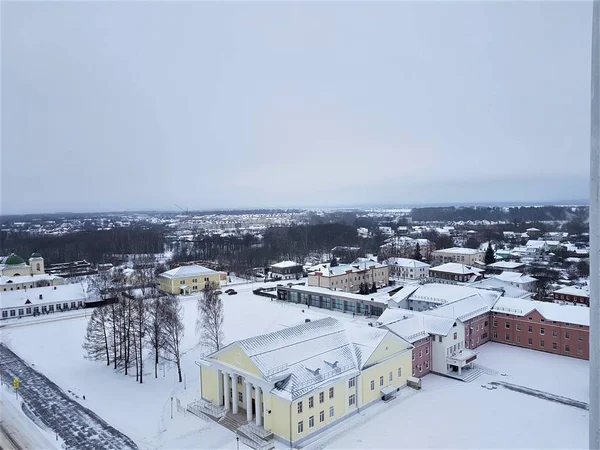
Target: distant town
277,327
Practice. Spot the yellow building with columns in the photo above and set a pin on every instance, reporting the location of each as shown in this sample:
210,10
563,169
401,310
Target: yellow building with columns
302,380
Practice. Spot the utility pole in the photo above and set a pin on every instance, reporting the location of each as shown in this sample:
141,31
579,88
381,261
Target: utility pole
594,425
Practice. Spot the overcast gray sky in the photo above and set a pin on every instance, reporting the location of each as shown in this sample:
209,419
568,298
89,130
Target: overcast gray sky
140,105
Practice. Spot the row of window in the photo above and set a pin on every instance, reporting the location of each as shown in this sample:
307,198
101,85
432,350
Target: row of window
420,368
554,322
311,419
542,331
420,353
390,378
471,330
36,309
194,280
542,343
311,399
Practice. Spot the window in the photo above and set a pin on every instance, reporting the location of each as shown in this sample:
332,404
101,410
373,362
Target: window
311,421
28,310
427,350
413,355
300,427
530,341
554,345
567,335
311,402
580,337
580,351
507,337
36,310
399,372
530,329
420,368
426,364
420,353
495,335
331,411
380,381
330,392
554,333
240,397
507,326
391,377
518,339
477,327
455,336
542,343
485,324
542,331
413,372
21,311
518,326
529,318
440,338
372,385
495,323
352,382
322,416
352,400
4,314
321,397
50,308
239,380
299,407
567,348
72,304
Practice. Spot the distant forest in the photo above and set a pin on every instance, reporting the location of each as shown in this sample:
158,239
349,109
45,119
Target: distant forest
512,214
93,246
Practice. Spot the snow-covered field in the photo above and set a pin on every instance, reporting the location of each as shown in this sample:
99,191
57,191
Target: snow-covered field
445,414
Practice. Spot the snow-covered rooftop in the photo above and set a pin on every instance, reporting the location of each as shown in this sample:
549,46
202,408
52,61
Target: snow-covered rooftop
456,268
374,297
515,277
412,325
341,269
187,271
571,290
551,311
284,264
4,279
448,293
506,265
406,262
508,289
50,294
459,250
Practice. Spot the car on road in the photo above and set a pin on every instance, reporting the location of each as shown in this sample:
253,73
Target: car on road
231,292
227,291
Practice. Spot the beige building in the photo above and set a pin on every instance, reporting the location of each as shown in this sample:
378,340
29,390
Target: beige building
295,383
348,277
458,255
189,279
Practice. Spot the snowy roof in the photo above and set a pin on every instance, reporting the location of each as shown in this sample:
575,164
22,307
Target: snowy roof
464,309
374,297
448,293
456,268
50,294
514,277
312,354
550,311
508,289
285,264
412,325
187,271
406,262
535,244
459,250
506,265
570,290
4,279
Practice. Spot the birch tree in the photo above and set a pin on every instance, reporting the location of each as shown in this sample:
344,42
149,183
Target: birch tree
174,330
155,327
210,317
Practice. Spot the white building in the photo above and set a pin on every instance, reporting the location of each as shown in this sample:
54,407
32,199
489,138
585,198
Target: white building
406,268
458,255
16,283
519,280
41,300
348,277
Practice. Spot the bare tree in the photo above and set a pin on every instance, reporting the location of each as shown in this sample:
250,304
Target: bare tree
140,320
155,327
96,337
174,329
210,317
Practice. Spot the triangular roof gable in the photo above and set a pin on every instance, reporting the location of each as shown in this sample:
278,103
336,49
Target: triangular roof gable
235,356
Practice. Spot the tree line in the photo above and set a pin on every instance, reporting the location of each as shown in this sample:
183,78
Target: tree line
516,213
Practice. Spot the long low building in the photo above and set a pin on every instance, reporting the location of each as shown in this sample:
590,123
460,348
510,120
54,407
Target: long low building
298,382
16,283
42,300
366,305
349,277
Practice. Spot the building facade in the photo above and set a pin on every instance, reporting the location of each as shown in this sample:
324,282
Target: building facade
300,381
287,270
458,255
408,269
456,272
41,300
15,266
349,277
188,279
572,295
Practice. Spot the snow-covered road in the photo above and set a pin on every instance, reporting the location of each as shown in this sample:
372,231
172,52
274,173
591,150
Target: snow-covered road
76,425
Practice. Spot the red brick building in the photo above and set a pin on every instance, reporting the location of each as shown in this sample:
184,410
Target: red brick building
543,326
572,295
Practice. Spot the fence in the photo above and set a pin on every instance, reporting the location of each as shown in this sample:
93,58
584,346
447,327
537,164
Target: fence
267,445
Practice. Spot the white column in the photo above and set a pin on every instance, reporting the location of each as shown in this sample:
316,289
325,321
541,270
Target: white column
234,394
226,388
258,402
359,391
346,405
248,401
219,387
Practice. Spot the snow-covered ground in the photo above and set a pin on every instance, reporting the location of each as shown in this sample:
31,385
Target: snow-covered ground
446,413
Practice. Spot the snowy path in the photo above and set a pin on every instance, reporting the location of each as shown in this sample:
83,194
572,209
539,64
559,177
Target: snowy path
76,425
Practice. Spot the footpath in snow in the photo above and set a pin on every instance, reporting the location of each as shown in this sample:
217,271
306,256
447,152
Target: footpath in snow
76,425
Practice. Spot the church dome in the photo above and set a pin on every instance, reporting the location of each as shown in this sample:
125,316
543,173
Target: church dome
36,255
14,260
